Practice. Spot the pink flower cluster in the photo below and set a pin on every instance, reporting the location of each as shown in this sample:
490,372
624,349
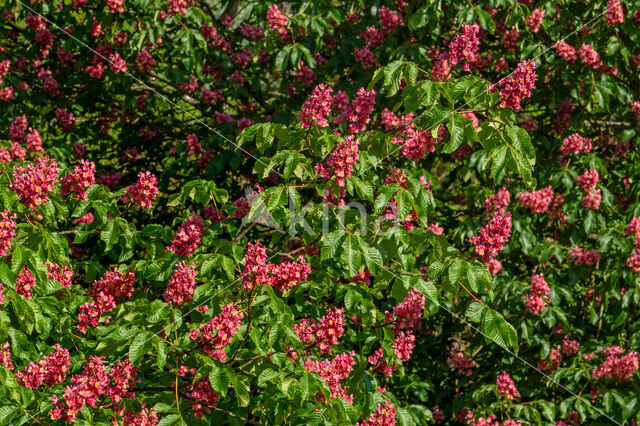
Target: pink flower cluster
614,13
317,108
145,417
181,284
385,415
34,182
575,144
7,231
506,387
216,334
589,179
589,56
617,367
188,237
25,281
493,236
341,162
497,202
90,387
143,192
517,85
60,273
5,356
461,362
535,19
258,271
116,284
357,114
377,364
633,261
569,346
277,21
333,371
536,201
106,293
403,345
389,20
145,61
51,370
78,181
566,51
18,128
464,46
592,199
203,397
584,256
323,333
407,315
537,295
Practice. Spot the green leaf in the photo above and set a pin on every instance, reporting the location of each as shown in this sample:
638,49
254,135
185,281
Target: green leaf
219,380
137,347
498,330
351,255
241,387
161,359
110,234
456,134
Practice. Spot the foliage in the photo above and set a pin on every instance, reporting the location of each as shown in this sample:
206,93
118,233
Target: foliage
319,212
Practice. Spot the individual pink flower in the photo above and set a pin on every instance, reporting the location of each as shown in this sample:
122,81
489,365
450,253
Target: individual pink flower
506,387
143,192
